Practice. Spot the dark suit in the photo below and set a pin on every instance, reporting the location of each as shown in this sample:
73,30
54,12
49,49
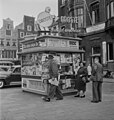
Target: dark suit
53,73
97,73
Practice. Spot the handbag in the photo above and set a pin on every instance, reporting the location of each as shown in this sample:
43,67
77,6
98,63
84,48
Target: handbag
85,79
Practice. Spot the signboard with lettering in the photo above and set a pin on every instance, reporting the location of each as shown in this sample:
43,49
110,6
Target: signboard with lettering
45,19
52,42
65,19
34,44
74,44
37,85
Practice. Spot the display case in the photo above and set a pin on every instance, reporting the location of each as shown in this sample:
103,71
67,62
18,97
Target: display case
33,60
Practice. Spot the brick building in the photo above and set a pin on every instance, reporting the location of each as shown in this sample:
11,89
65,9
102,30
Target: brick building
8,41
95,19
27,27
72,8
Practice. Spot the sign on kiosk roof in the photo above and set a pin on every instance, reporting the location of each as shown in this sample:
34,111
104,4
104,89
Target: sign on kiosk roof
45,19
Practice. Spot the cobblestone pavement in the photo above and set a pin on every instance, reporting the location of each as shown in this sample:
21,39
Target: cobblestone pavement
18,105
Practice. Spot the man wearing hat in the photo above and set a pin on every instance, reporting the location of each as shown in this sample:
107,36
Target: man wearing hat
97,79
53,73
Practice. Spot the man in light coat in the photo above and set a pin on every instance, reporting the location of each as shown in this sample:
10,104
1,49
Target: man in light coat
97,79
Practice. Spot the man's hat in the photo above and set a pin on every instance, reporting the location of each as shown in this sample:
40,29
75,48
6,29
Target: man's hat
50,56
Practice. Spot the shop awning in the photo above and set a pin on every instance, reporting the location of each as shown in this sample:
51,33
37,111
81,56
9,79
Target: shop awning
52,49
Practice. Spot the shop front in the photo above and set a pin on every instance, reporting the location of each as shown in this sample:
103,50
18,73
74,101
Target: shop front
99,42
66,53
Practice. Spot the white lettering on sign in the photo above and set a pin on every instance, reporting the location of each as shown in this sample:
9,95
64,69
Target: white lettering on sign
40,43
69,19
54,42
45,19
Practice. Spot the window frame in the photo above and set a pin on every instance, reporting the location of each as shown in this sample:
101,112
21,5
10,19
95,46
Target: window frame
29,28
112,8
21,36
108,52
95,7
108,11
79,15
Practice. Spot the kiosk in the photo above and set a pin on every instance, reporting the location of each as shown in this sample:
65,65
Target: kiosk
66,52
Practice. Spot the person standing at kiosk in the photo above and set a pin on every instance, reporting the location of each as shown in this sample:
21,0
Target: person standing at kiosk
53,80
97,79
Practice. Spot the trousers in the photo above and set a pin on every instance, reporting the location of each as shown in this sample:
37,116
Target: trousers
97,90
54,91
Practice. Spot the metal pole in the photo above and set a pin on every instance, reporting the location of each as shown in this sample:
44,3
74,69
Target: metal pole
88,12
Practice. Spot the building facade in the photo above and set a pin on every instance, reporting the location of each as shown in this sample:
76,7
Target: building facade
72,8
99,40
27,27
8,41
96,30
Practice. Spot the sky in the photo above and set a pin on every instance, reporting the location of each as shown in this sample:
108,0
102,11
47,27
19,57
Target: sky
16,9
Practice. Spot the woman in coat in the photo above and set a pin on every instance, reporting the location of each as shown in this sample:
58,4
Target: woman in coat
81,81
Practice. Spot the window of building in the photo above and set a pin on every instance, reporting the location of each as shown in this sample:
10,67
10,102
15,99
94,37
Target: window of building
108,13
7,54
112,9
8,44
96,50
63,2
14,44
21,34
95,12
29,28
8,32
83,55
1,43
15,54
79,13
8,26
110,51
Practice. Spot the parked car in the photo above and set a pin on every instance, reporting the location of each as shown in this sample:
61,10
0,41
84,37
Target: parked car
5,70
6,63
12,75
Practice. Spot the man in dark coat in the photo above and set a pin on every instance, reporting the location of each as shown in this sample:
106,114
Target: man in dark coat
53,73
97,79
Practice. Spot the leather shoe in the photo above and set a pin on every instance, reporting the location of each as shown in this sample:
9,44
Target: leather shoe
59,99
77,96
46,99
82,96
94,101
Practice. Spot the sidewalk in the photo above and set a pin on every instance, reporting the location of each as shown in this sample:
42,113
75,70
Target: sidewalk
18,105
108,80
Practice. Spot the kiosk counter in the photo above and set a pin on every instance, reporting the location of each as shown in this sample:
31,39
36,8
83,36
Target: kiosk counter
35,49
